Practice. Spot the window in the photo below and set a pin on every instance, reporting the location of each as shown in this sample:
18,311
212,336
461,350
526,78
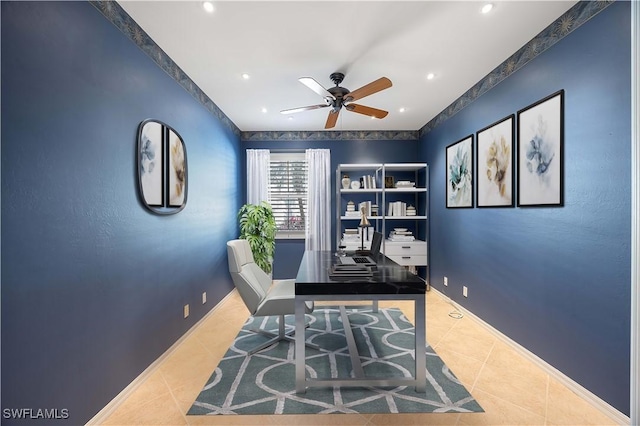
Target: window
288,193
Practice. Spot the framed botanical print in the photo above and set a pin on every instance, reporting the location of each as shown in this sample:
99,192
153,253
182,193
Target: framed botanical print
151,163
494,164
541,151
460,173
177,170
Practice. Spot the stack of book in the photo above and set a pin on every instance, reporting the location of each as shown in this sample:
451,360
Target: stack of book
401,234
397,208
405,184
351,234
355,235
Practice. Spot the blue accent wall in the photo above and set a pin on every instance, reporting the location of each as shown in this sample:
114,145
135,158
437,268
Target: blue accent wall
556,280
93,284
289,252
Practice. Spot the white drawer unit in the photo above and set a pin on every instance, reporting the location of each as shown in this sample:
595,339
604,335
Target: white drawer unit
407,253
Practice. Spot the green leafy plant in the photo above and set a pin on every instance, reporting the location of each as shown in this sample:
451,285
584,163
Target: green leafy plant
258,227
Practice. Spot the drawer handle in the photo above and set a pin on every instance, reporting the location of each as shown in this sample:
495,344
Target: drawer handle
406,257
408,247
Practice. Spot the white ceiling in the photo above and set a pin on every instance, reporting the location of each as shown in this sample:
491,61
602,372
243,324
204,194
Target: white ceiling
276,42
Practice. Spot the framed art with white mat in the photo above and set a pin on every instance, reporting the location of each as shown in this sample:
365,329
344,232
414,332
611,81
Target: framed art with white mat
541,152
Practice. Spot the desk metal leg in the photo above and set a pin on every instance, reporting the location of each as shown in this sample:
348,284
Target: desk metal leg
300,356
421,343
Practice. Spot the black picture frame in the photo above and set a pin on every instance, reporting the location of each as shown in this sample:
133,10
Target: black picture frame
389,182
162,167
495,172
541,152
459,174
176,170
151,163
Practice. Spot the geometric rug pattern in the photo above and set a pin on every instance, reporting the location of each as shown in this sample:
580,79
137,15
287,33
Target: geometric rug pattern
264,383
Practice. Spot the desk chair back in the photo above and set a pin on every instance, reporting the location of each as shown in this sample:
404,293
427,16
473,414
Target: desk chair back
251,281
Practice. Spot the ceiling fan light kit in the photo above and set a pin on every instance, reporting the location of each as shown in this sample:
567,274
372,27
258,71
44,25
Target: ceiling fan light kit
338,97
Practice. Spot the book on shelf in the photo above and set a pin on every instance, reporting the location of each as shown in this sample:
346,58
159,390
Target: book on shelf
401,234
350,236
367,207
401,238
405,184
397,208
368,182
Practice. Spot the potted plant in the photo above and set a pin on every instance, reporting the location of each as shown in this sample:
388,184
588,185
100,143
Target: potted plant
258,227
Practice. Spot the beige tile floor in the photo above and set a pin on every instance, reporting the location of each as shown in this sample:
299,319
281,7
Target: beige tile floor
511,389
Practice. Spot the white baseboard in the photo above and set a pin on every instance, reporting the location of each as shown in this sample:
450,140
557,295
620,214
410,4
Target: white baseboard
592,399
111,407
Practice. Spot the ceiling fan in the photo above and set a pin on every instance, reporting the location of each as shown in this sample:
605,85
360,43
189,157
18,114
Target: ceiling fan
338,97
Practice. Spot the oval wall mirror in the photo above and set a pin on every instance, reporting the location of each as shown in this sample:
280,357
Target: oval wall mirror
162,167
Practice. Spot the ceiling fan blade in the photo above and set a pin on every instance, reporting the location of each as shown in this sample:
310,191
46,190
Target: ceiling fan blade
369,89
332,119
371,112
316,87
306,108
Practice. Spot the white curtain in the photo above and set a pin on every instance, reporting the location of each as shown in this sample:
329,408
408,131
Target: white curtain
318,229
257,175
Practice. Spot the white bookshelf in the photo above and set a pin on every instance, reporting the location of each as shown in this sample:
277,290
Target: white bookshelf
408,253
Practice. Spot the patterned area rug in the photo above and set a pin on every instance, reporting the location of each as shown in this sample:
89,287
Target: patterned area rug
264,383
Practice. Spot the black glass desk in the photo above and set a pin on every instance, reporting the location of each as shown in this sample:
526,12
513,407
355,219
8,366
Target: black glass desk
390,281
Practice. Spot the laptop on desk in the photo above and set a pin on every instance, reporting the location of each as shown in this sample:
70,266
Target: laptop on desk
365,259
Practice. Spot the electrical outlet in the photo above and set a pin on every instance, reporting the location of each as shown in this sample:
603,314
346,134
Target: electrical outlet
186,310
464,290
204,297
446,281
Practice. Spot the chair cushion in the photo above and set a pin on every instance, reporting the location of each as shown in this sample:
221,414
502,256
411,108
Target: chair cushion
280,300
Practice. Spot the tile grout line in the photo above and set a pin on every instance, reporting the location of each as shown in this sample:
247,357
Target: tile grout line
483,365
507,401
173,397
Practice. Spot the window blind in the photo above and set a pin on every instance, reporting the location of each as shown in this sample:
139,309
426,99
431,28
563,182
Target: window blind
288,192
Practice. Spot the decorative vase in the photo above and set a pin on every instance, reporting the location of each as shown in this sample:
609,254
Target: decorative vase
346,182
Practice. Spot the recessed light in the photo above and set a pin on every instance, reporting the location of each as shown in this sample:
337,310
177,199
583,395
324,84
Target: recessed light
403,109
246,76
431,76
264,110
208,6
487,8
290,118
